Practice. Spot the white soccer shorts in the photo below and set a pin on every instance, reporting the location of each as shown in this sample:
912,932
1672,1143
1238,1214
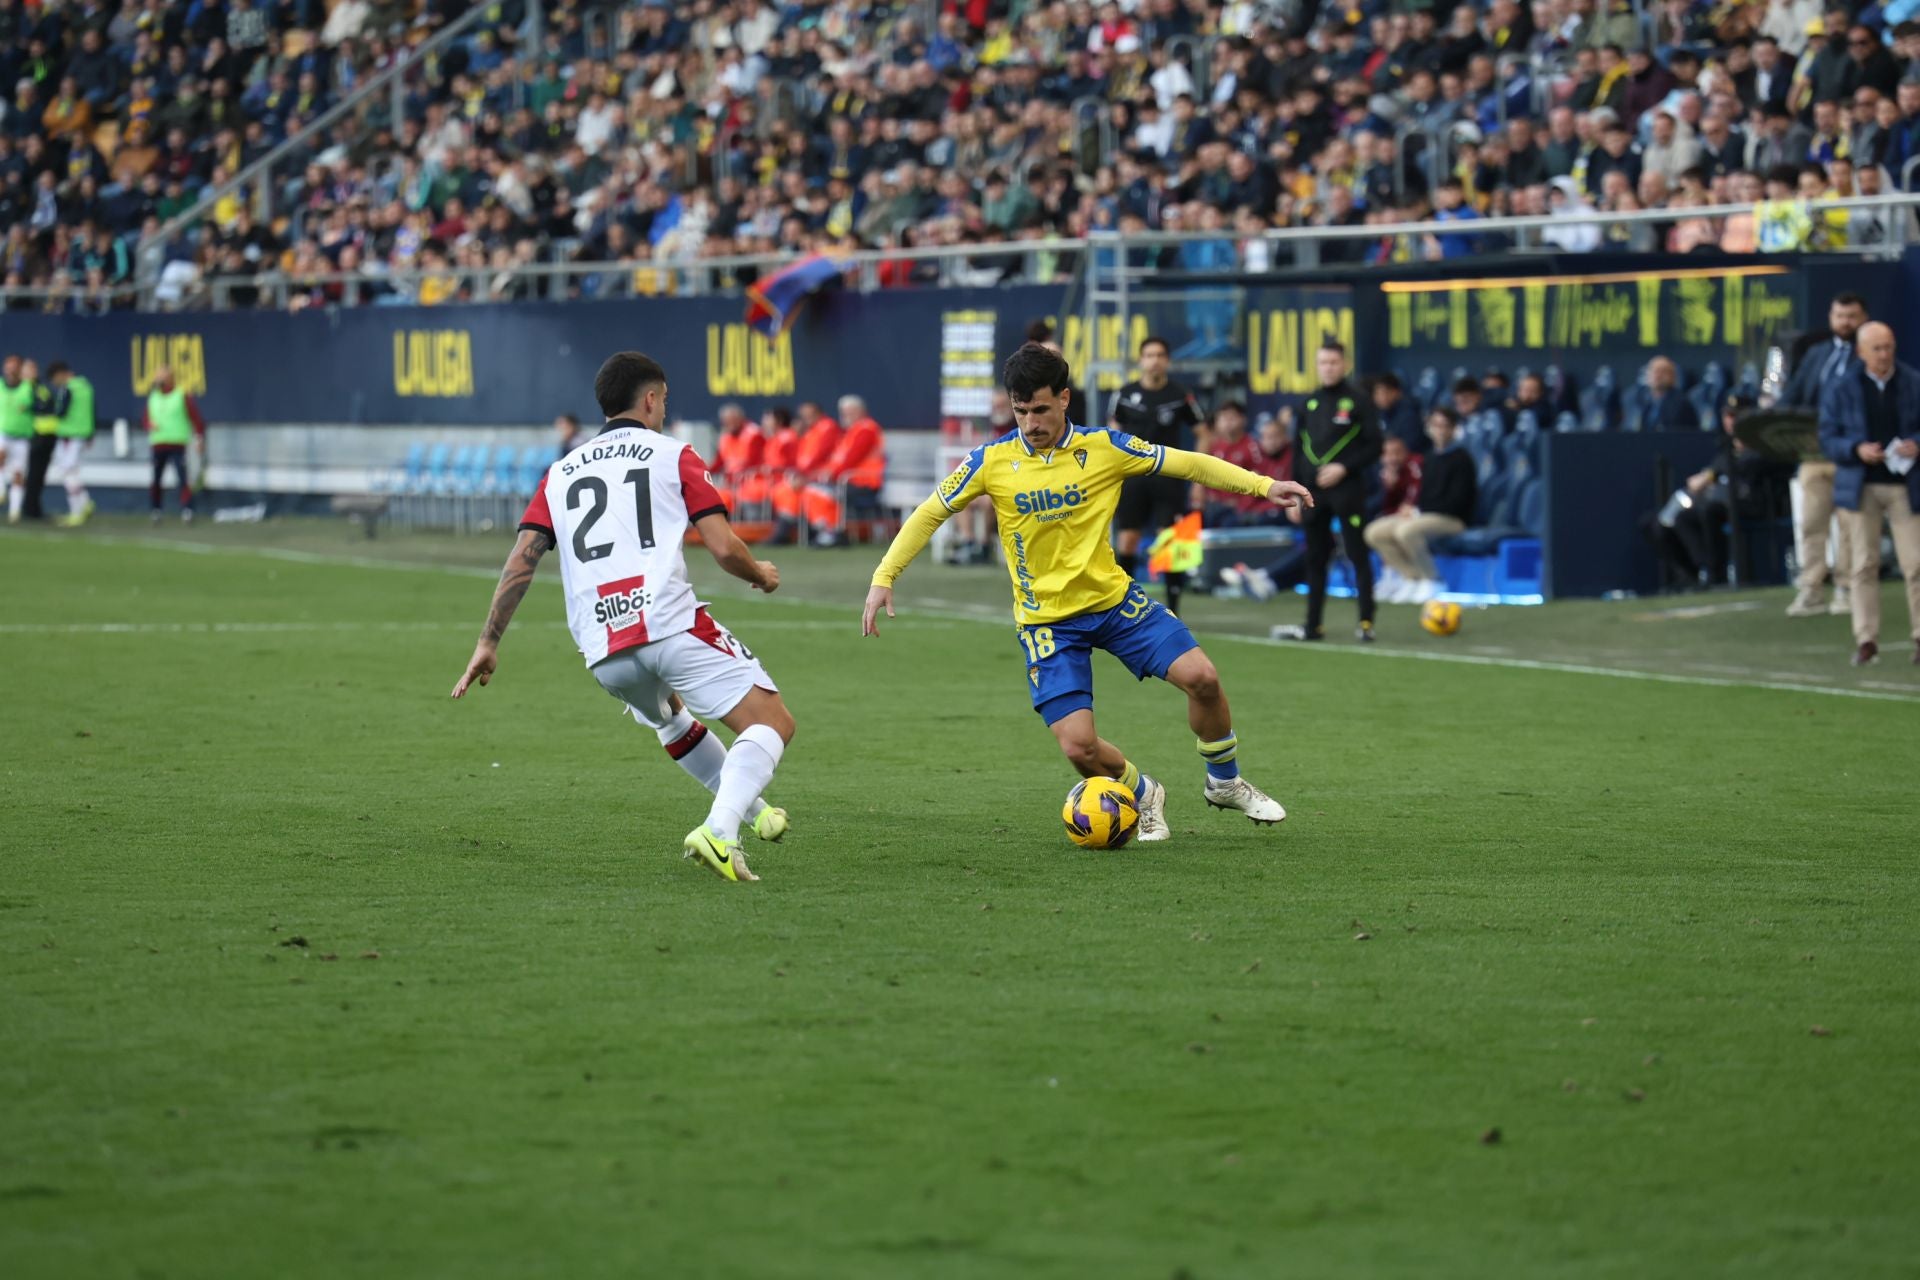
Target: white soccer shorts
17,447
708,667
66,457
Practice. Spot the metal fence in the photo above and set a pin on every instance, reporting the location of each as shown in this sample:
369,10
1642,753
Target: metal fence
1021,261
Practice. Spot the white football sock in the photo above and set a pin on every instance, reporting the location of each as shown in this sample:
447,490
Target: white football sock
750,764
703,757
16,499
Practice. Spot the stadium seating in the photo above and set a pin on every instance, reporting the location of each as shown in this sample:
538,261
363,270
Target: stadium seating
992,99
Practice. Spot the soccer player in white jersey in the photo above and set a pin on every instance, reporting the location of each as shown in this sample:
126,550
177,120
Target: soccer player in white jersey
619,506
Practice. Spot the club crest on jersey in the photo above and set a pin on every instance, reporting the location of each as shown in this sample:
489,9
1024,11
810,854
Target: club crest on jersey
622,603
1080,456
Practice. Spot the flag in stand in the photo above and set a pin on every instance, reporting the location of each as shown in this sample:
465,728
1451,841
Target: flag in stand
772,303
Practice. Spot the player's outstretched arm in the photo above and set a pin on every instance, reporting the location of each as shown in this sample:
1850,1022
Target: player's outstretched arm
915,533
734,555
514,581
1217,473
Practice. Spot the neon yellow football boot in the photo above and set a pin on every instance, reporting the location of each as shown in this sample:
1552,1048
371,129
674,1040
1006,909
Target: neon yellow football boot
723,857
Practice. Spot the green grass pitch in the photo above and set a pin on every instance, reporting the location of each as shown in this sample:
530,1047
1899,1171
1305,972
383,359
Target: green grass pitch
306,970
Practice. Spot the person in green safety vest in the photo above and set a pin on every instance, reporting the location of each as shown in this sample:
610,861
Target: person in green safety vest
172,422
72,435
49,403
16,430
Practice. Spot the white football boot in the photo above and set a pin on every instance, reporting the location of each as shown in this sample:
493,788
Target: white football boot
1238,793
1152,806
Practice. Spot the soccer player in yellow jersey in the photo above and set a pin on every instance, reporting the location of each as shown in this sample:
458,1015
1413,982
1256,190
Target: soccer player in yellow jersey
1054,487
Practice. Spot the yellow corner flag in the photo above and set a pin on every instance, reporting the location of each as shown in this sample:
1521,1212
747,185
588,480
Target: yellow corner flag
1177,549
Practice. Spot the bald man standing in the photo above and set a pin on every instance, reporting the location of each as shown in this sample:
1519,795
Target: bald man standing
1870,428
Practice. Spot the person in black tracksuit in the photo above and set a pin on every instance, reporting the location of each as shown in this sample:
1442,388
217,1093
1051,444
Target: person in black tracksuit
1338,440
1163,412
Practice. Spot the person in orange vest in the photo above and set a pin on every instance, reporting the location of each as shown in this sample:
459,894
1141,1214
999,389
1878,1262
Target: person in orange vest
743,447
821,436
859,461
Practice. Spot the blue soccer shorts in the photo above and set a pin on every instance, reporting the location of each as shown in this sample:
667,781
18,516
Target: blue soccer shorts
1139,631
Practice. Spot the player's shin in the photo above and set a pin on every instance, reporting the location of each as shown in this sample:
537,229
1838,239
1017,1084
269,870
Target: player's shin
748,770
700,752
1220,755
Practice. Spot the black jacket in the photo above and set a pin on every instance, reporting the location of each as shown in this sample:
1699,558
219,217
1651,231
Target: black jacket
1337,424
1448,485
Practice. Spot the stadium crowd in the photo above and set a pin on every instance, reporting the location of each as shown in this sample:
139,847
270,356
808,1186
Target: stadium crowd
646,134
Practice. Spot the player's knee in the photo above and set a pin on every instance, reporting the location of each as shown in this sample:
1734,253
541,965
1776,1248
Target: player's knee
1081,753
1201,680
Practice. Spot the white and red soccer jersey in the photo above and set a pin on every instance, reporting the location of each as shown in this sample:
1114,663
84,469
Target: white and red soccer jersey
618,509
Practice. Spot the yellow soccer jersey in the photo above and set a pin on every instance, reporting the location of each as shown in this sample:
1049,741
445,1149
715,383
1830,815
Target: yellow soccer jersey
1055,511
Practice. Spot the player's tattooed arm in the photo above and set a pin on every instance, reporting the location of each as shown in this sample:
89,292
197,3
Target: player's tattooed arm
515,578
522,563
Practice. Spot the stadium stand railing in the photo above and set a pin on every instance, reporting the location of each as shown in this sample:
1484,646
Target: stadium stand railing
1029,261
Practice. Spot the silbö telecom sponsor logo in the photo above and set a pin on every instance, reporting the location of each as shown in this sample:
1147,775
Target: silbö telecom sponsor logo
622,604
1036,501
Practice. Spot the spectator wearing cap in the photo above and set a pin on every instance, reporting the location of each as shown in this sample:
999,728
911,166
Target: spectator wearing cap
1830,73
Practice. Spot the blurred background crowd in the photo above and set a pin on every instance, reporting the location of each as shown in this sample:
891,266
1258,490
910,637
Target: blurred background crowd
647,134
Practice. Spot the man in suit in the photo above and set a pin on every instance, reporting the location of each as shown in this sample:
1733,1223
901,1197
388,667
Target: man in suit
1772,74
1820,357
1870,427
1666,407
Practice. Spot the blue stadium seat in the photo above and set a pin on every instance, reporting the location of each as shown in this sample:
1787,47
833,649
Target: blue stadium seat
1531,511
501,479
1702,400
1600,400
406,477
1633,406
453,479
534,461
433,476
1567,422
1749,384
474,478
1426,390
1560,388
1487,464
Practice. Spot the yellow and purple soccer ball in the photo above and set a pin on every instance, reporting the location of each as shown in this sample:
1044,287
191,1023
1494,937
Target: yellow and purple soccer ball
1440,617
1099,814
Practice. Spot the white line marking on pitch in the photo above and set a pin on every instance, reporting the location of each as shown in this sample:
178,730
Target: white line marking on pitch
272,628
962,613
